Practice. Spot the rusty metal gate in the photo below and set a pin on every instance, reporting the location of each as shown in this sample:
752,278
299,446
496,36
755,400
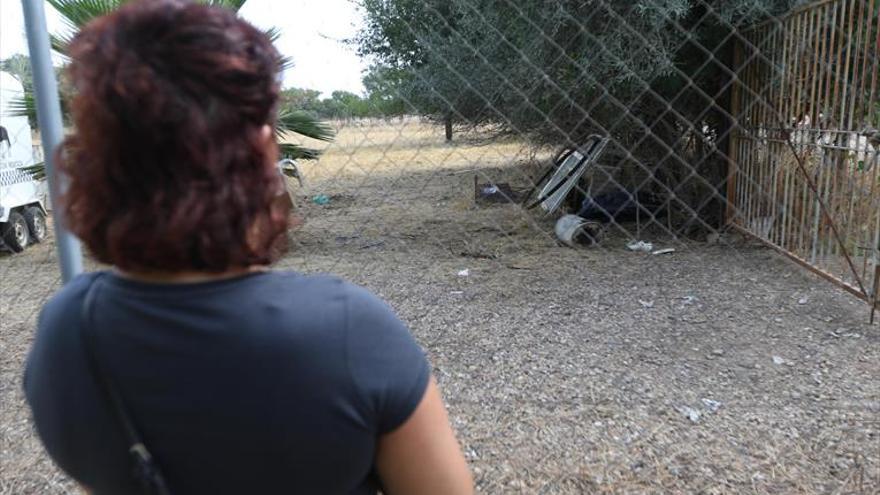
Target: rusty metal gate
804,175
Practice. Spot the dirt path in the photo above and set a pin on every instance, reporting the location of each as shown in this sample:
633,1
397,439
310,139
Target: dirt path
713,370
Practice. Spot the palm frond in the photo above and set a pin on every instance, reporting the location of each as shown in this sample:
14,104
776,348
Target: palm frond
78,13
297,152
60,42
23,106
37,171
303,124
285,63
273,33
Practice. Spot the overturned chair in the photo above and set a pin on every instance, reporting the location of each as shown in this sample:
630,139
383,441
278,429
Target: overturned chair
564,174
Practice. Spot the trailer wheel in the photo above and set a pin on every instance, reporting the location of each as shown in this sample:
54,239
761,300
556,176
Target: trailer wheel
15,232
36,223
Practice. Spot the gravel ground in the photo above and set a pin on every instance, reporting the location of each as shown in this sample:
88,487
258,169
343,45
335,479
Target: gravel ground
715,369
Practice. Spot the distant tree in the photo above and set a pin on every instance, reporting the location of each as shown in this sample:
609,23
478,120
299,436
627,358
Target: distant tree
19,66
382,85
306,100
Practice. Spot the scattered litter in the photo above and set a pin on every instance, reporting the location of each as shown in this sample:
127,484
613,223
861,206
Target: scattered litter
688,300
803,300
640,246
457,292
718,352
663,251
321,199
575,231
464,273
712,405
690,413
647,304
777,360
495,193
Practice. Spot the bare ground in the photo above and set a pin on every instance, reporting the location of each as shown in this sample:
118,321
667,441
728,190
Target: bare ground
716,369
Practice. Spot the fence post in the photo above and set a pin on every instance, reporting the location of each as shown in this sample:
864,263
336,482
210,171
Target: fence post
51,130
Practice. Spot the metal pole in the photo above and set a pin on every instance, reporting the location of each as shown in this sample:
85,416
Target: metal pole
51,130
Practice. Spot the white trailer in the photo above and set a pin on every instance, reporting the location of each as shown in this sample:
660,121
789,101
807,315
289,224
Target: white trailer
22,199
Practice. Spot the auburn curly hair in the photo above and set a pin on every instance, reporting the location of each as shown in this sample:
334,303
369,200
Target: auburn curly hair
170,166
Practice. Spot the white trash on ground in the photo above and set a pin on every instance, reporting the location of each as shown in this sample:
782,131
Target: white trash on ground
574,231
640,246
663,251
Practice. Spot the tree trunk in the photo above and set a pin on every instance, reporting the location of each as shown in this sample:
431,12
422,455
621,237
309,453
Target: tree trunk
448,123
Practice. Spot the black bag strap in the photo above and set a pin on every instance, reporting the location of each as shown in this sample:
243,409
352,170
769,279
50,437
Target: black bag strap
145,470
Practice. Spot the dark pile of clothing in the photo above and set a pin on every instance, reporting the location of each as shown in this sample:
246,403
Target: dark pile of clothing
622,206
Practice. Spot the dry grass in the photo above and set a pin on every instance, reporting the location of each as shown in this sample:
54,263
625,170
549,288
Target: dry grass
558,379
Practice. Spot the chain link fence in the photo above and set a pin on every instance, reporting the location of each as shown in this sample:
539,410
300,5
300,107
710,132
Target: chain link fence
568,201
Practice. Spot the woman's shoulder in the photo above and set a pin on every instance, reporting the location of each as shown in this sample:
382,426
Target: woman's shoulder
69,299
324,288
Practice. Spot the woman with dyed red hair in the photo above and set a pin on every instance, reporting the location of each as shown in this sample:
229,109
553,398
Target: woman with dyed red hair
190,367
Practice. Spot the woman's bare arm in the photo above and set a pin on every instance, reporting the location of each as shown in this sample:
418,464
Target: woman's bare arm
422,455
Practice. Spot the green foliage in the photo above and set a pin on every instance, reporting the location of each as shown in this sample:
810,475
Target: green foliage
556,70
304,124
648,73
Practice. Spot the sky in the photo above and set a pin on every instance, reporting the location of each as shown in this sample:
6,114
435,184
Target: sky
312,34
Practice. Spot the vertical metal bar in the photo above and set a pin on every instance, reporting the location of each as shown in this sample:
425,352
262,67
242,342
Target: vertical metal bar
875,299
759,153
824,87
846,118
51,131
856,177
863,46
862,110
873,240
827,58
875,196
799,75
786,102
812,106
775,102
817,212
752,142
828,110
733,155
832,202
770,89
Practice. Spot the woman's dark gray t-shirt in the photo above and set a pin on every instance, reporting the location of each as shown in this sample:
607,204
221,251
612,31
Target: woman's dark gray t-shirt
268,383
